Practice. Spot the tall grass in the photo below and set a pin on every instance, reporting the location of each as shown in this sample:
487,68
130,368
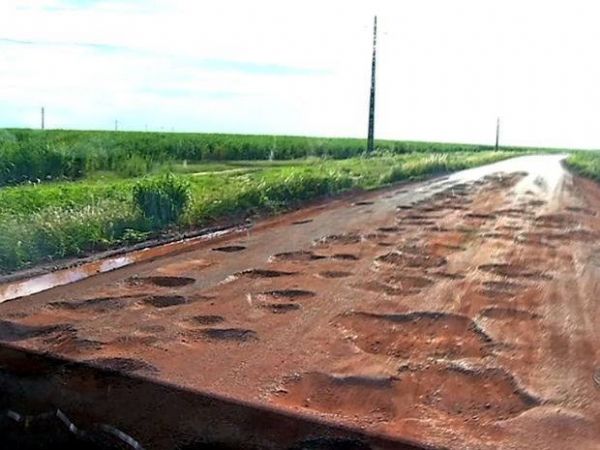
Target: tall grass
47,222
585,163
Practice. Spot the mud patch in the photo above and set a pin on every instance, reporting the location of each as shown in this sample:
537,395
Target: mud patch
126,365
229,248
508,314
227,334
334,274
162,281
416,335
301,255
165,301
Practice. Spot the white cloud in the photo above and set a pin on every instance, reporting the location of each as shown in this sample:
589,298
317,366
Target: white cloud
446,69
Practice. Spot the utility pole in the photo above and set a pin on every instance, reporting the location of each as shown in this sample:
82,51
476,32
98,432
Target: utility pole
497,132
43,118
371,136
116,125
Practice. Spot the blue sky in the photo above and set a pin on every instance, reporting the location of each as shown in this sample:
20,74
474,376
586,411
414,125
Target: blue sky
446,69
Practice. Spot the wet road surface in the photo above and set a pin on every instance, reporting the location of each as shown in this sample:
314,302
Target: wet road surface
460,312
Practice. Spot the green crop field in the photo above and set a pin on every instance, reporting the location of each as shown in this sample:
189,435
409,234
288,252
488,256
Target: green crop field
33,155
72,193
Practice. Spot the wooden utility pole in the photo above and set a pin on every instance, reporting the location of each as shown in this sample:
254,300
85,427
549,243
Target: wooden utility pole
371,135
497,133
43,118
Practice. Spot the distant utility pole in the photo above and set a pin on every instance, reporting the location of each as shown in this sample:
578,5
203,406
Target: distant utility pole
497,133
371,136
116,125
43,118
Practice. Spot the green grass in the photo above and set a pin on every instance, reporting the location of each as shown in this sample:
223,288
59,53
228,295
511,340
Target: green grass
49,221
34,155
585,163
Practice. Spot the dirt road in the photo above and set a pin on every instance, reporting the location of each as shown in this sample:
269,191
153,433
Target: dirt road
461,312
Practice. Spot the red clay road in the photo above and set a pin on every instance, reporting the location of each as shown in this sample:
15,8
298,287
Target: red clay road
462,312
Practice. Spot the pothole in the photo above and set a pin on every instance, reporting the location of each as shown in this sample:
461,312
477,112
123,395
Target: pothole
508,314
507,286
383,288
363,203
288,293
480,394
127,365
226,334
417,335
69,342
165,301
514,271
334,274
14,331
162,281
349,238
301,255
100,304
555,221
409,281
264,273
345,257
390,229
400,258
280,308
229,248
482,216
207,319
302,222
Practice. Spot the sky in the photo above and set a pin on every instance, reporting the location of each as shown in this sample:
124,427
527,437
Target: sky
446,69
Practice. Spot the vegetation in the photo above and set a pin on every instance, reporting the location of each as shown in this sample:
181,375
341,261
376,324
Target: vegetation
35,155
162,200
53,220
585,163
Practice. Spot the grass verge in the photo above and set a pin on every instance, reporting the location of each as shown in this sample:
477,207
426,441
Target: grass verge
47,222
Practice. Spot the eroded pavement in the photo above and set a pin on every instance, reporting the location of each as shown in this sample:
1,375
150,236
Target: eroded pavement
460,312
